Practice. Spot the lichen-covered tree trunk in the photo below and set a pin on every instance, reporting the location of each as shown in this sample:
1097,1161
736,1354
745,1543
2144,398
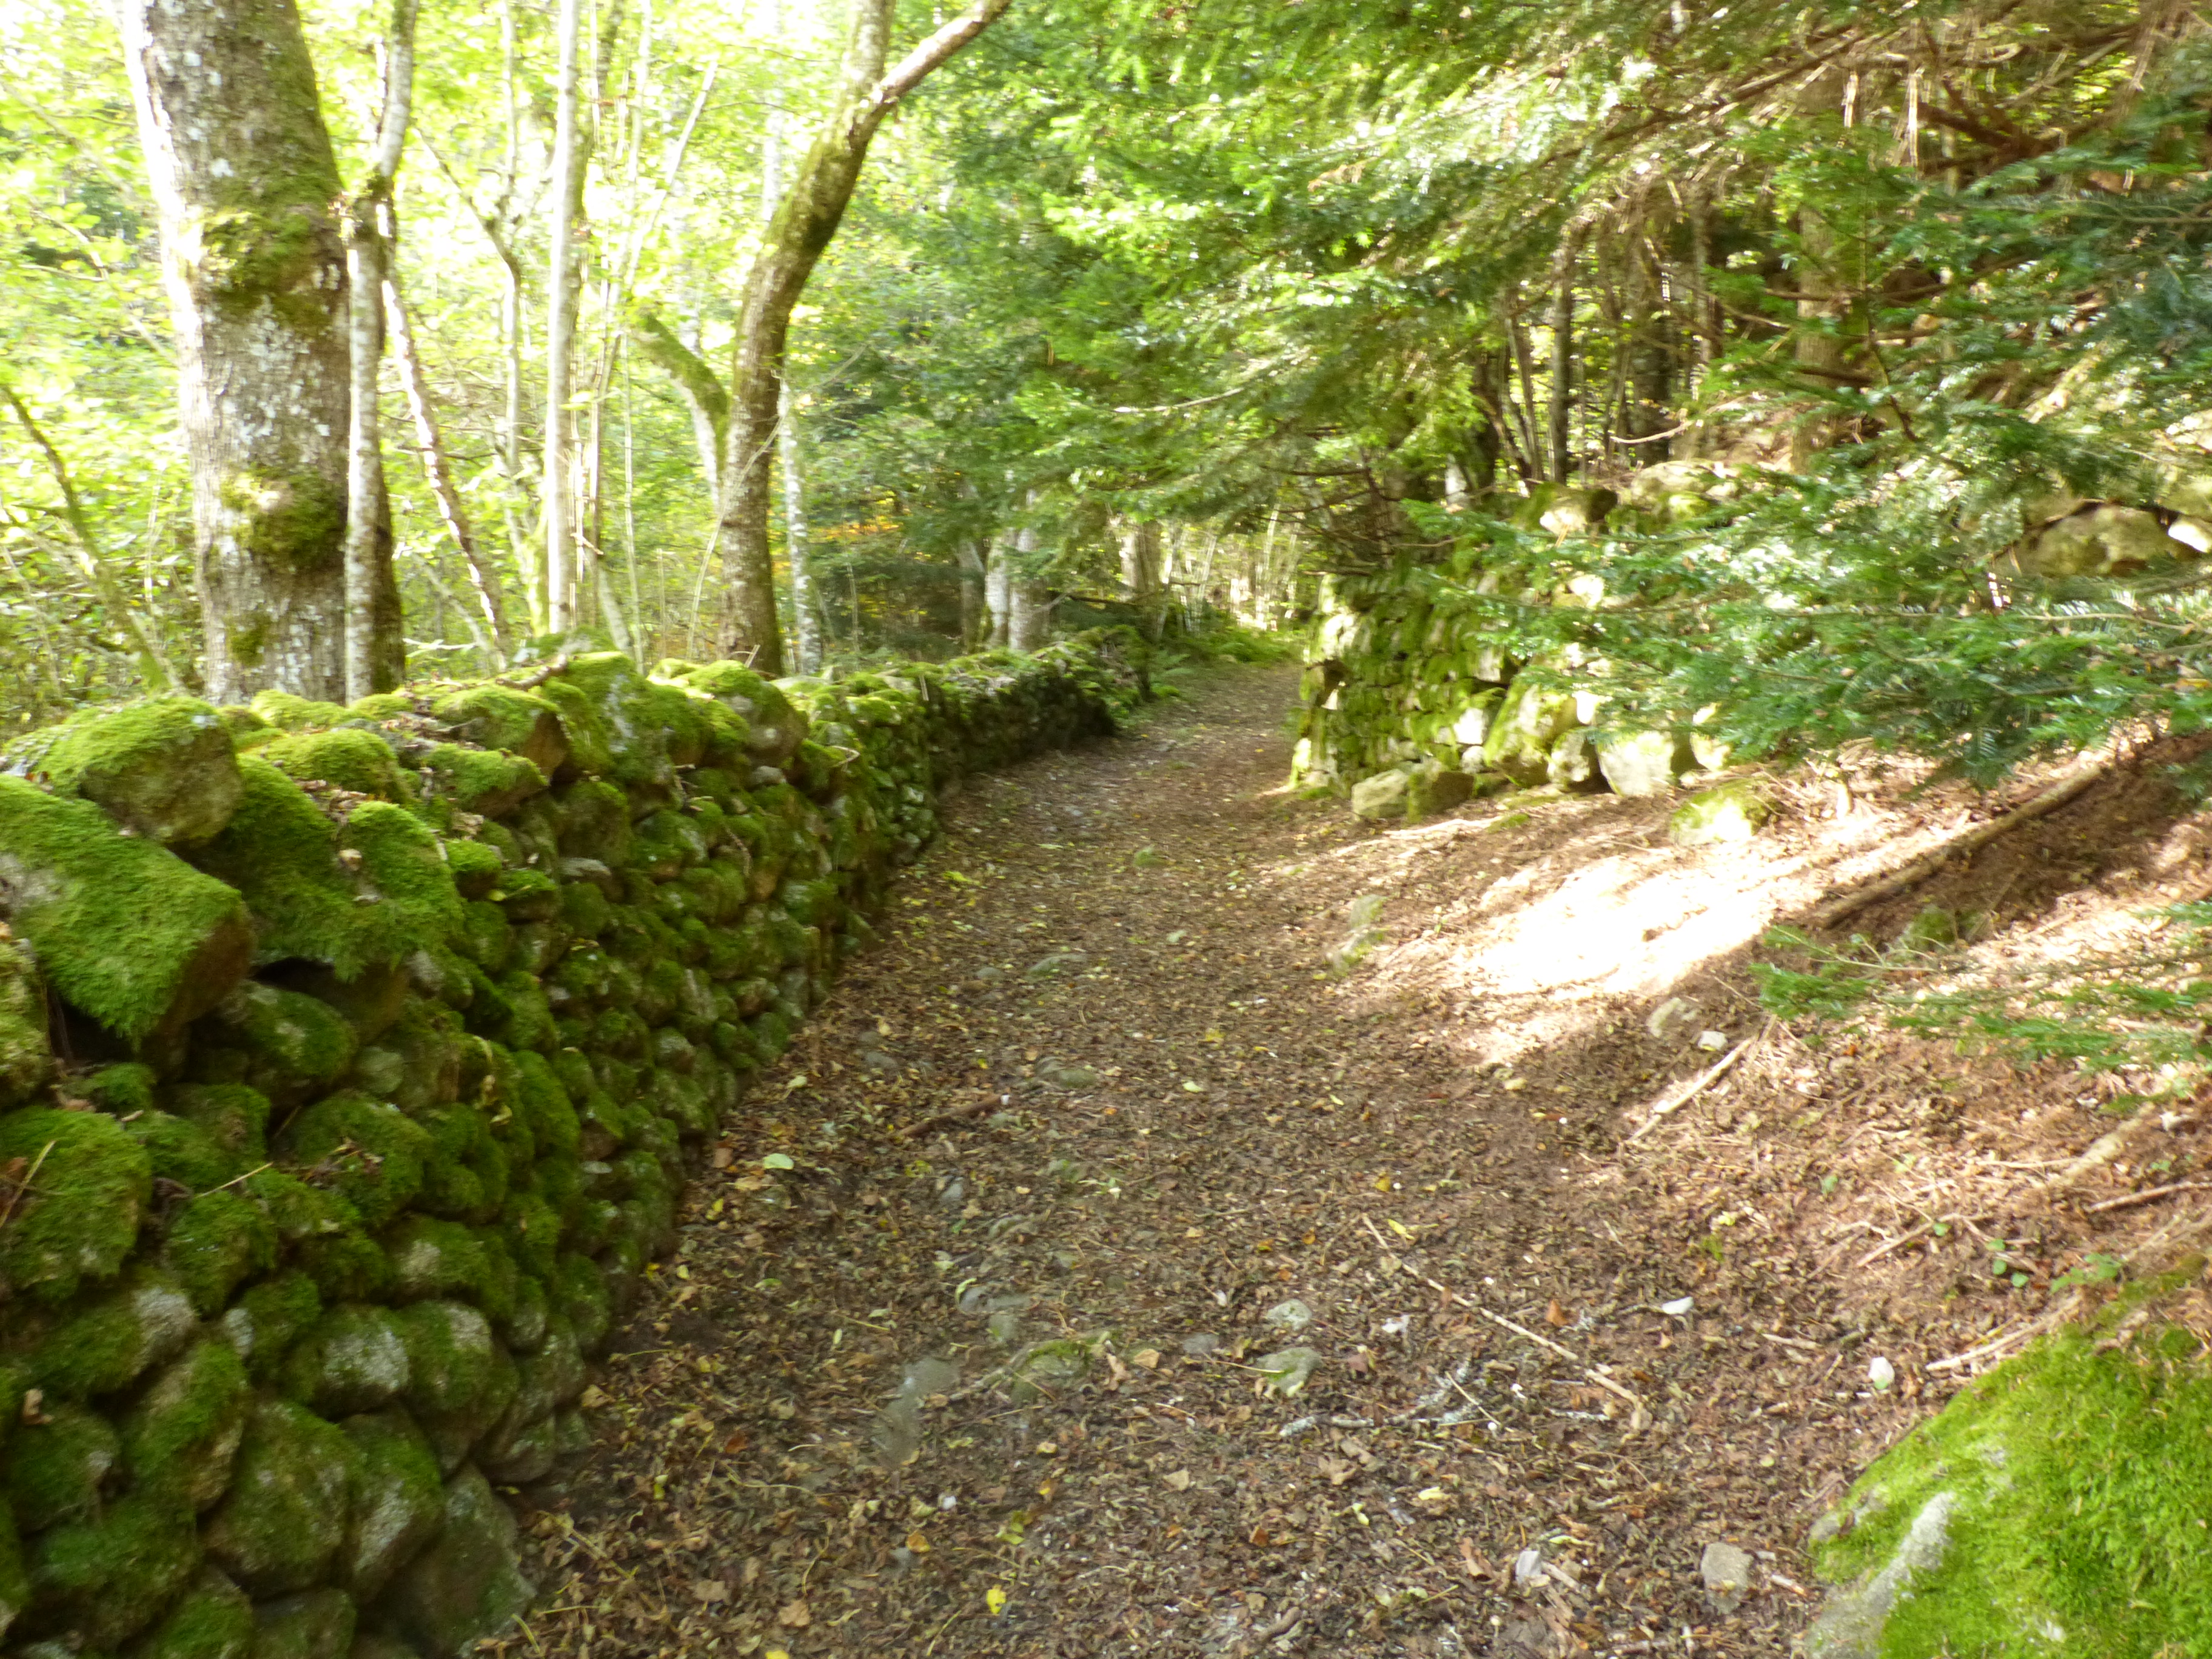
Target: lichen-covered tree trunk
241,167
806,218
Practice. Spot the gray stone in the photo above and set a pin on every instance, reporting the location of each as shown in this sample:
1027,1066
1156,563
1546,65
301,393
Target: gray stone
2105,541
1727,1572
1044,1368
1201,1345
1573,765
1287,1370
1382,796
286,1510
1290,1317
1850,1625
897,1431
398,1501
467,1585
1430,790
316,1625
213,1619
355,1359
1004,1328
1642,764
1529,1567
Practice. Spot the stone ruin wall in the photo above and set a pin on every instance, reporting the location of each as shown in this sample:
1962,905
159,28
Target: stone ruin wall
347,1061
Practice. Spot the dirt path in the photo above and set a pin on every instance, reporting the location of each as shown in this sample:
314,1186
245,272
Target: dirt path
993,1384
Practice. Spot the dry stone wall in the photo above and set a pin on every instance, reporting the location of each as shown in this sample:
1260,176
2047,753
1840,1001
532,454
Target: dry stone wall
347,1060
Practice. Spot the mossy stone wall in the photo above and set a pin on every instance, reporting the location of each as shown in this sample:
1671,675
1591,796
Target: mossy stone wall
348,1057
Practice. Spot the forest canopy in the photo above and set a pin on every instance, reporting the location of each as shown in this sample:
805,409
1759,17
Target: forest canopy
1848,361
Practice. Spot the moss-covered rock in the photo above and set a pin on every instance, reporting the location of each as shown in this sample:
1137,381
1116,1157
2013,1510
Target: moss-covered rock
774,726
467,1587
27,1061
1530,719
110,1576
353,759
2055,1507
317,1625
165,768
397,1501
121,927
56,1466
461,1380
371,1154
264,1322
108,1343
500,717
286,1042
212,1619
80,1219
182,1435
354,1359
214,1243
279,1529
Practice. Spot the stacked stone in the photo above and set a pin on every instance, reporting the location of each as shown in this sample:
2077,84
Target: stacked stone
347,1059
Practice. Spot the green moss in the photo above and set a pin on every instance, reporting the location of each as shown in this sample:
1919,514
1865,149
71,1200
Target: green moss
296,1209
166,767
180,1151
289,713
436,1258
2078,1477
349,758
81,1218
122,928
120,1089
581,728
216,1243
180,1437
485,936
280,1526
112,1575
14,1573
369,1153
108,1343
631,718
482,780
493,716
584,909
462,1380
403,868
267,1320
347,1266
233,1115
546,1101
288,1042
528,896
55,1468
212,1619
477,867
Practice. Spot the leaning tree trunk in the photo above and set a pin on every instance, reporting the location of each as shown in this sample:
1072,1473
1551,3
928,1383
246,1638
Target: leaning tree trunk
248,190
805,219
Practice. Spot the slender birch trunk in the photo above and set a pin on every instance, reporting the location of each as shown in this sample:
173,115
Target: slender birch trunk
560,583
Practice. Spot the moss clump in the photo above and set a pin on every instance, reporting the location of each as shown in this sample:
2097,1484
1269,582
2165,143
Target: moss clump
124,930
180,1437
469,1586
481,780
166,767
286,1042
370,1154
500,717
633,720
110,1576
347,1266
80,1217
590,750
55,1468
212,1619
109,1343
216,1243
477,867
2068,1490
777,728
527,896
289,713
264,1322
231,1115
181,1151
461,1379
289,1507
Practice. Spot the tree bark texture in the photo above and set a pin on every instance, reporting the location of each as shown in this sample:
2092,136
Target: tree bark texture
254,262
560,584
1563,358
1028,612
806,218
1140,574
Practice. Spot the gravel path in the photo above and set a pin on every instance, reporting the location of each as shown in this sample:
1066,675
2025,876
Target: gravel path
1117,1267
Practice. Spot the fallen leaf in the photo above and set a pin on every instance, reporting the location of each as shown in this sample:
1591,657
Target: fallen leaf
796,1615
995,1599
1554,1314
1179,1481
710,1589
1383,1181
1148,1357
917,1543
1401,1228
592,1398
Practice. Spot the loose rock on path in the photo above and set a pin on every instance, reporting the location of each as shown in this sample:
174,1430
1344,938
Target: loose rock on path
1111,1269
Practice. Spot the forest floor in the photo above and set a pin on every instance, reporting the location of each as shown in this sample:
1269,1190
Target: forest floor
1160,1070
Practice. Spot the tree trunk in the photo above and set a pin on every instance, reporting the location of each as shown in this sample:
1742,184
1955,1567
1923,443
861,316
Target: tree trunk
705,397
998,590
805,608
1563,355
375,654
1820,348
805,219
1029,617
1140,573
1651,360
560,586
975,566
437,468
242,170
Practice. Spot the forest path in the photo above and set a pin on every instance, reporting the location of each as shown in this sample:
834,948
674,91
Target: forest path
995,1387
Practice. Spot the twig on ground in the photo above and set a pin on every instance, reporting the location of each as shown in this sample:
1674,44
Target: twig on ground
1641,1413
2149,1196
1697,1085
1916,871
